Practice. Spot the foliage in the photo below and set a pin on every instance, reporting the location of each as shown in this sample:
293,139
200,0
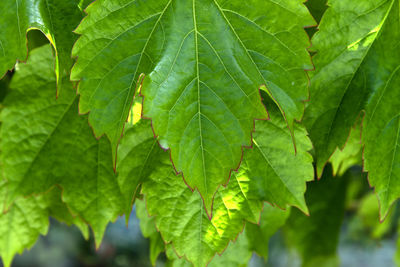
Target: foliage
222,87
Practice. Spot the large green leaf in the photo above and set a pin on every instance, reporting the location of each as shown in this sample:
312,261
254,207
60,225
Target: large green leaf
28,218
347,69
45,142
381,135
55,18
205,61
315,237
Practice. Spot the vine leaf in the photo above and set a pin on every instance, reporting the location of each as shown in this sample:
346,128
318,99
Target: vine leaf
57,145
340,86
55,18
28,218
255,237
205,62
351,154
181,218
381,135
138,153
238,253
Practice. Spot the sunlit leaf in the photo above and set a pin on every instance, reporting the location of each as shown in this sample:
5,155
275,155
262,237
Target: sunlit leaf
205,62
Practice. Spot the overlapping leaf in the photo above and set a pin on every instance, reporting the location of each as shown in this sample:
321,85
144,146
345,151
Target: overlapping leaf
278,175
55,18
138,155
45,142
255,237
205,61
351,154
182,220
381,135
179,212
347,69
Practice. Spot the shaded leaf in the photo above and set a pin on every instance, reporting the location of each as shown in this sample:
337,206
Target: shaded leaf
351,154
272,219
317,8
57,145
138,155
381,134
348,40
28,218
182,220
55,18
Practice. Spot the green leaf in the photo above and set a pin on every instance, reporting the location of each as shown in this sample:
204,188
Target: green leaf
347,45
28,218
315,237
201,88
238,253
55,18
60,211
179,213
272,219
181,218
381,135
278,174
351,154
57,145
21,225
138,154
177,210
